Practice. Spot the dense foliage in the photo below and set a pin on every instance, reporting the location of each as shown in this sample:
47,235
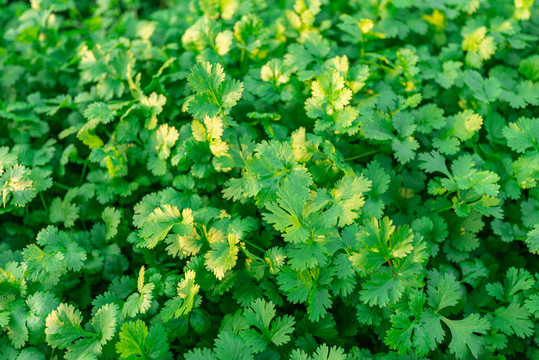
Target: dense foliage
269,179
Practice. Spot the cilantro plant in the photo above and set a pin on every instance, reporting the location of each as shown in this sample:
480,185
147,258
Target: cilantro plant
269,179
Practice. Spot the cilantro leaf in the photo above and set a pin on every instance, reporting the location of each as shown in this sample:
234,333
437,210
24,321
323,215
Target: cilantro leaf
484,90
137,341
533,240
185,301
265,327
213,95
161,221
223,255
523,134
287,213
513,319
140,301
463,333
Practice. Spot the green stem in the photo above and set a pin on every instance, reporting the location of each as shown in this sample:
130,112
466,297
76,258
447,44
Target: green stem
44,202
362,155
77,14
249,254
61,186
388,68
83,170
362,45
243,61
313,149
220,107
253,245
444,209
279,107
489,116
137,140
224,117
391,267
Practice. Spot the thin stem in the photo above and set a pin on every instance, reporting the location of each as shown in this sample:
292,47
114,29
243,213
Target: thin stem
137,140
244,61
77,14
279,107
444,209
220,106
391,267
249,254
362,45
44,202
253,245
61,186
221,109
212,93
317,151
489,117
83,170
224,116
362,155
387,67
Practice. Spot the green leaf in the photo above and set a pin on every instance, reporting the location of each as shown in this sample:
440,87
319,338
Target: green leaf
404,149
323,352
433,327
165,138
139,302
532,240
405,334
132,337
136,340
378,243
269,329
64,210
211,133
59,255
99,111
162,220
382,289
64,326
153,106
347,200
40,305
200,354
444,291
104,322
532,305
308,287
287,213
523,134
451,71
513,319
232,347
214,95
463,335
485,90
185,301
529,67
222,256
466,124
112,218
17,185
